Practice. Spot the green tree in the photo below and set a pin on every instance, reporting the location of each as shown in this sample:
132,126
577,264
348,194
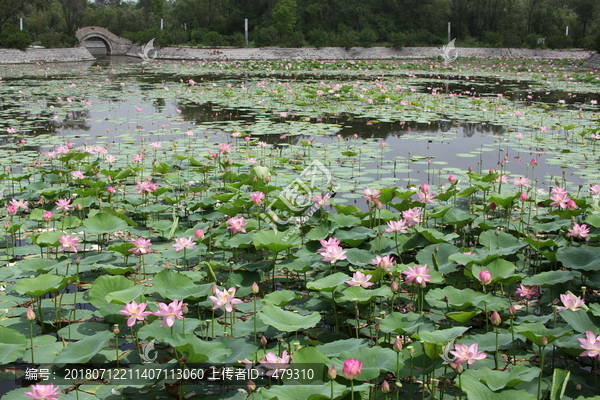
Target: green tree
73,14
10,9
284,17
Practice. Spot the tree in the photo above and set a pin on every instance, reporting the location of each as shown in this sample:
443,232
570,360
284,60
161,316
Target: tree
73,13
284,16
12,8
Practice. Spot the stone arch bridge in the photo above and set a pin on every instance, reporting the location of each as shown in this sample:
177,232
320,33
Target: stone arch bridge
115,45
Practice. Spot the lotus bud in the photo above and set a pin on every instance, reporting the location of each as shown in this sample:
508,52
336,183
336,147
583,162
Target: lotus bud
110,189
571,205
385,387
116,330
512,310
78,206
451,179
457,367
534,161
492,206
411,350
497,231
352,368
251,386
394,287
495,318
184,308
296,345
214,289
397,345
11,210
78,260
485,277
425,188
255,289
47,215
523,196
6,224
332,373
578,386
470,169
30,314
263,340
199,234
544,341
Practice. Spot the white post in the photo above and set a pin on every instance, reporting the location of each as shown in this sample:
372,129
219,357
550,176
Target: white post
246,30
449,35
161,24
567,34
21,23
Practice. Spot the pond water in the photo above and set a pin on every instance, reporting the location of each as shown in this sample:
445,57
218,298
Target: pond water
370,124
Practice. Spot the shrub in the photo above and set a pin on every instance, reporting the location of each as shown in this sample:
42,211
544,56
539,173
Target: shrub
318,38
367,37
296,39
213,39
397,39
15,40
238,39
50,39
265,36
559,41
175,37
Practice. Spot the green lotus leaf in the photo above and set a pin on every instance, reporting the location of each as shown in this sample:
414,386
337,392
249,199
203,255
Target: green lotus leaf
287,321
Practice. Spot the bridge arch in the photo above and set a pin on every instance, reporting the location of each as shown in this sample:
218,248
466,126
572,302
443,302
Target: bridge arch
115,45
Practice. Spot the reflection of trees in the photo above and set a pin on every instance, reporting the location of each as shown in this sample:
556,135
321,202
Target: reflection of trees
74,120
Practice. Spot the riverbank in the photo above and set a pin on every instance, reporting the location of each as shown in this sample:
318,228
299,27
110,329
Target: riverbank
30,56
12,56
354,53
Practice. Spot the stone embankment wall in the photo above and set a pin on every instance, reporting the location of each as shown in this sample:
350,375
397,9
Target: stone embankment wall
10,56
13,56
355,53
593,62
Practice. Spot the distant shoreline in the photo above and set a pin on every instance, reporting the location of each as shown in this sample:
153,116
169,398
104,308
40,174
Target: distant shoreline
74,54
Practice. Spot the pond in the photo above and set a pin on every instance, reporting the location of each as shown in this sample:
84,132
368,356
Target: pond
334,212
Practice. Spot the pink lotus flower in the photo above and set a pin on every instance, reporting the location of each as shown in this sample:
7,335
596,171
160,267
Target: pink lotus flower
224,148
579,231
142,246
521,181
371,194
225,298
559,197
11,210
333,253
77,175
184,243
595,190
170,312
426,197
64,204
43,392
470,354
236,224
383,262
331,242
19,204
135,312
352,368
417,275
145,187
527,291
485,277
273,362
69,242
397,227
257,198
412,216
571,302
48,216
591,345
360,279
321,200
